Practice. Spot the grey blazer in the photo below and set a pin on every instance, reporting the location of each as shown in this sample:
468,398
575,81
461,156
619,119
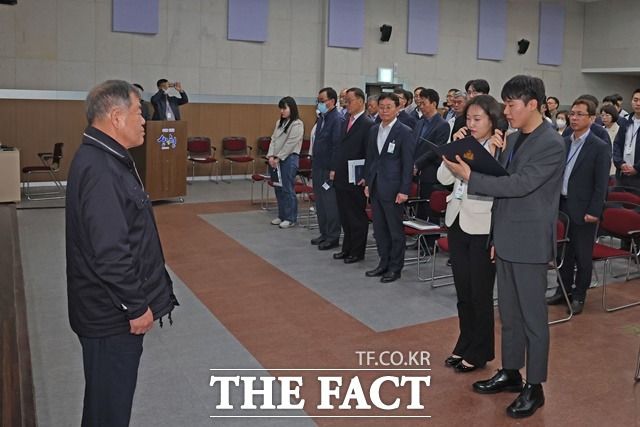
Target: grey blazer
525,207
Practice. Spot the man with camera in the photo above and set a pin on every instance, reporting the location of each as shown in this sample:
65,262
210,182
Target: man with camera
166,107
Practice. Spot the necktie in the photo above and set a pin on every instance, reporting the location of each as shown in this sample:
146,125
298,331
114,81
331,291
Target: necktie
351,120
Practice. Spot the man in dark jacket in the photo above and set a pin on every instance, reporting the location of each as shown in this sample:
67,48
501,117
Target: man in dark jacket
167,107
117,283
325,150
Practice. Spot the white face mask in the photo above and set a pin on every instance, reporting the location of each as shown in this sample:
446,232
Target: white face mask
561,123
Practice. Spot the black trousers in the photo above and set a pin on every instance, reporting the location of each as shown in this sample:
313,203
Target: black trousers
389,232
110,373
578,252
474,276
352,206
326,206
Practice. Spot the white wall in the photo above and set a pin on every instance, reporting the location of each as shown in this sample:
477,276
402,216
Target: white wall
68,45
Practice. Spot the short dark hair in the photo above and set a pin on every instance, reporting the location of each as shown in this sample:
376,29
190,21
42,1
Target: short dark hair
489,105
591,98
555,99
139,87
565,113
481,85
591,107
636,91
357,92
524,88
107,95
161,82
431,95
391,96
612,111
331,93
467,84
612,99
399,91
453,90
420,88
288,101
618,97
409,95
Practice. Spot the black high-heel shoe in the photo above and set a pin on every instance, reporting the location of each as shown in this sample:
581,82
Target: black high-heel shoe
452,361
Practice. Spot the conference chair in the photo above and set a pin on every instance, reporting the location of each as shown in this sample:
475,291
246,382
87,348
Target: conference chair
305,148
236,150
51,166
262,179
562,232
263,149
621,223
200,151
623,194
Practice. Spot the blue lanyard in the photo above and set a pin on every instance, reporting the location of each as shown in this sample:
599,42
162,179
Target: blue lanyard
574,153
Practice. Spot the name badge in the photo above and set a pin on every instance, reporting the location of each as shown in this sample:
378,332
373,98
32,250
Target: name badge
169,115
391,148
459,191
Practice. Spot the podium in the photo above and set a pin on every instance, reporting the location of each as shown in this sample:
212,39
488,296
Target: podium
161,160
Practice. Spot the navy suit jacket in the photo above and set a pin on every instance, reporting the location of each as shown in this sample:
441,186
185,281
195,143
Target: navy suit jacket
407,119
596,129
618,147
427,161
327,141
353,146
387,174
159,102
589,179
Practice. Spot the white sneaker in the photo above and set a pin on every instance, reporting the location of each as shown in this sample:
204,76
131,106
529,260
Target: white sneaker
287,224
276,221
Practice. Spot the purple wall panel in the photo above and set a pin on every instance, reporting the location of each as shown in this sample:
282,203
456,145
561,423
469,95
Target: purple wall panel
346,23
551,38
140,16
248,20
422,31
492,29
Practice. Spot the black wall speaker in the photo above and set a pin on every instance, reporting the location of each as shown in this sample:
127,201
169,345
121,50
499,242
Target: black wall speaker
385,32
8,1
523,45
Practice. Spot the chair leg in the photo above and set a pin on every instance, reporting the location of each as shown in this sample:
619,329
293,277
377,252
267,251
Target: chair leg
607,264
566,296
637,377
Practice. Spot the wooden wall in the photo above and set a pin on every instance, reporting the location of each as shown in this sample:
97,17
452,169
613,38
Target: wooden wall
35,125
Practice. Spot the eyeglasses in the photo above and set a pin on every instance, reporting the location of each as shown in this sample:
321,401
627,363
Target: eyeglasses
578,114
386,107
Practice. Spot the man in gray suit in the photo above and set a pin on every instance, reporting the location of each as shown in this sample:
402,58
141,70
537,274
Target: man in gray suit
525,212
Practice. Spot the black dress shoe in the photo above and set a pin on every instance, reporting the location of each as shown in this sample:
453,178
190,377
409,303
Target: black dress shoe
530,399
376,272
328,245
462,368
452,361
499,382
340,255
317,240
577,307
390,276
353,259
556,299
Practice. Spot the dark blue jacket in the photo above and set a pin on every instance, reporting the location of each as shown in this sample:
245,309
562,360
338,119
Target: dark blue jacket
387,174
327,141
115,265
618,146
159,101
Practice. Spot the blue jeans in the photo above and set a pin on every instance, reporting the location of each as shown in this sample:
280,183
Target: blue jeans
287,202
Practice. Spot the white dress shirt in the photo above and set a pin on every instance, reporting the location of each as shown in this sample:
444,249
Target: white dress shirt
383,133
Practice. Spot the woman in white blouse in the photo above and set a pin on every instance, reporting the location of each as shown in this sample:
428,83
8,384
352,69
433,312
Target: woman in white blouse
283,155
468,219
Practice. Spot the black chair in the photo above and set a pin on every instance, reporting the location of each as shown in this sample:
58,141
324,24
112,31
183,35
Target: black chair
50,165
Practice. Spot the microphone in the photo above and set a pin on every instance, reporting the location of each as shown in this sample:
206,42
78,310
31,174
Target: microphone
503,125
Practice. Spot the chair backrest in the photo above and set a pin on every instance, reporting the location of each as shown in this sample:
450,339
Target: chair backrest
57,155
618,221
304,164
199,145
414,190
306,146
438,200
623,194
263,145
234,145
562,226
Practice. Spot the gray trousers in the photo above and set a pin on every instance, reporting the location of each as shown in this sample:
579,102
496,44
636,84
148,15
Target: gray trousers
523,313
326,206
